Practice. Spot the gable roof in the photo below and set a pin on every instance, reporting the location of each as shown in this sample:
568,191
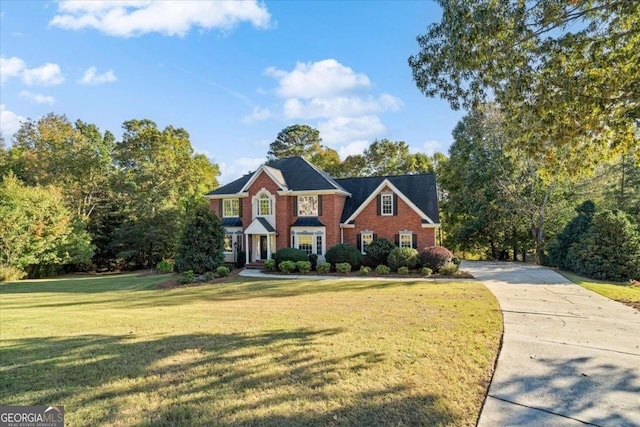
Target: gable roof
419,189
290,174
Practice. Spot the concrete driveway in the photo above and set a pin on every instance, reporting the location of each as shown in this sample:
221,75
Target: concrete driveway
570,357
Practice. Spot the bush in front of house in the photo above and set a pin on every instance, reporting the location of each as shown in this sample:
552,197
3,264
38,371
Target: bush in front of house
448,269
426,271
287,266
343,267
323,268
403,271
403,257
290,254
383,270
344,253
435,257
201,243
303,266
313,259
223,271
379,249
364,270
270,265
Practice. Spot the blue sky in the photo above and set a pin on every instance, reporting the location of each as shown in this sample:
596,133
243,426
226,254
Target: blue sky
233,74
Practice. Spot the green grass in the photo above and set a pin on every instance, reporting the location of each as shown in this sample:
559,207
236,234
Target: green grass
624,292
116,351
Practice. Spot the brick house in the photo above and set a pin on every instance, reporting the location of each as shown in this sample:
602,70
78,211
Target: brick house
292,203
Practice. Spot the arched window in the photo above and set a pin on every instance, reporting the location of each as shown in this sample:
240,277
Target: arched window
265,208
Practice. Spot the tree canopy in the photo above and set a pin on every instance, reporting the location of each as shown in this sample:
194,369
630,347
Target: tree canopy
564,73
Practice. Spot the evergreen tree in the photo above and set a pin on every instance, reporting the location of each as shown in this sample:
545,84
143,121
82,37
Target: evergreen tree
200,248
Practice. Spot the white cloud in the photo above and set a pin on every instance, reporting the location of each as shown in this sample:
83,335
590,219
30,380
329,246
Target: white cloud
239,167
37,97
91,77
432,146
353,148
344,130
10,67
258,114
294,108
9,122
317,79
171,18
46,75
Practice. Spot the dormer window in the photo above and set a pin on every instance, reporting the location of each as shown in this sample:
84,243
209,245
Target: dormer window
265,207
230,208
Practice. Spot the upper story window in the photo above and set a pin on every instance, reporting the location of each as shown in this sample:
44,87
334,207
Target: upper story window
230,208
265,206
308,206
386,200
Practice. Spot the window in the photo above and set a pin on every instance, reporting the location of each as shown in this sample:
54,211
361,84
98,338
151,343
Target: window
230,208
264,205
305,243
228,242
308,205
406,240
387,203
365,240
319,245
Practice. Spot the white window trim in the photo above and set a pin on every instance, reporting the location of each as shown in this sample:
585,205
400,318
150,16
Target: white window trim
315,232
236,239
362,244
311,214
224,208
402,234
384,196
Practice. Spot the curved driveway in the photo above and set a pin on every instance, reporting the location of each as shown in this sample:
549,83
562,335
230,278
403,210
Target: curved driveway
569,357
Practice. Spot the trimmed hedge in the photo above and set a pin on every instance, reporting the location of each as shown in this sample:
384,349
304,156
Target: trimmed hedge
290,254
379,250
344,253
435,257
403,257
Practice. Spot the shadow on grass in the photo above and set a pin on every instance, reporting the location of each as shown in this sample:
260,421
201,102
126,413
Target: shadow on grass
580,388
271,378
85,284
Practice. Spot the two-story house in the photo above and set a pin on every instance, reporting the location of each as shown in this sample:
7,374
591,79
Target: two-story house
292,203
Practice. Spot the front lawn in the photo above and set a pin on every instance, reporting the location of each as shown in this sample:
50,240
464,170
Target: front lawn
115,350
627,293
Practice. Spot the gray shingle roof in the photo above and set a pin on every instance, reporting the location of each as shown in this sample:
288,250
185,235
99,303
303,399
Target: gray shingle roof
420,189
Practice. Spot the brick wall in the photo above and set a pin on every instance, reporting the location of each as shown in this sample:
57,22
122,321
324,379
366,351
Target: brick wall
389,226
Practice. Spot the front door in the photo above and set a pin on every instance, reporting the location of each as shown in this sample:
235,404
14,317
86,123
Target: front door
263,247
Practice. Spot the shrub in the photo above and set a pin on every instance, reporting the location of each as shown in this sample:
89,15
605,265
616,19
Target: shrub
241,258
609,250
287,266
187,277
223,271
403,257
323,268
200,247
383,270
403,270
558,250
435,257
313,259
448,269
364,270
303,266
379,250
209,276
9,273
290,254
344,253
270,265
165,266
426,271
343,267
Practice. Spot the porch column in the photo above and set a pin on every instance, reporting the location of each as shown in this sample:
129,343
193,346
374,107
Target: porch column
246,246
268,246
